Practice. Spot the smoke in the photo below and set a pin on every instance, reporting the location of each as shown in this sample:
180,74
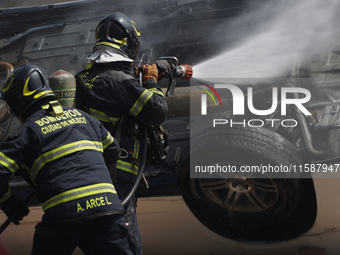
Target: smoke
285,32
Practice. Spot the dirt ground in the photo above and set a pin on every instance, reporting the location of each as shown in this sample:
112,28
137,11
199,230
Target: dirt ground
21,3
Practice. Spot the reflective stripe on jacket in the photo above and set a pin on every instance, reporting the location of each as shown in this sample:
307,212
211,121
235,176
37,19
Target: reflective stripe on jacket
111,93
66,159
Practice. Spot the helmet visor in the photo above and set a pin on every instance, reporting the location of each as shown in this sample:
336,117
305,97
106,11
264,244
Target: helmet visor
117,31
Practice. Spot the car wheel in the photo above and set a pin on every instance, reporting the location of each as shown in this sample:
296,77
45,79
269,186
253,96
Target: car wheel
242,207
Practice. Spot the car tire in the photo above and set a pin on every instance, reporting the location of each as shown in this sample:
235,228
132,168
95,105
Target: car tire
239,207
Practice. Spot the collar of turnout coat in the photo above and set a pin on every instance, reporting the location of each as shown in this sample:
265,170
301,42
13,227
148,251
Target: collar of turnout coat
107,54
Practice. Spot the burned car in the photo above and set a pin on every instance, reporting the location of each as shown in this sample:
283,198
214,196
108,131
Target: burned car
248,210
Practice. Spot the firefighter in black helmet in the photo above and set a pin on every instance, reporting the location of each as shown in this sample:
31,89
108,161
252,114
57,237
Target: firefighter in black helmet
109,91
119,32
64,153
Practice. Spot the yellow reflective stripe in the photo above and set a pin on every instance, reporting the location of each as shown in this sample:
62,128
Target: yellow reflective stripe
45,106
138,33
139,104
9,84
109,44
42,93
8,163
128,167
79,193
135,148
154,90
63,151
159,93
26,91
124,41
109,139
88,66
102,116
7,195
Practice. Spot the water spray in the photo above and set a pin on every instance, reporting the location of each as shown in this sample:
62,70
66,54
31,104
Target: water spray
293,31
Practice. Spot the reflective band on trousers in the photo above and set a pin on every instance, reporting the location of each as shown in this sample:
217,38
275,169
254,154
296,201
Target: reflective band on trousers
139,104
63,151
8,163
7,195
102,116
128,167
79,193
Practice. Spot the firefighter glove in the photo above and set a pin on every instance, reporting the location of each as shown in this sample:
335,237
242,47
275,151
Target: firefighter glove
165,68
15,209
148,72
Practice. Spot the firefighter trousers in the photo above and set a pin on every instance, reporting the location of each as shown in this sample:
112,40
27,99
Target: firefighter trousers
103,235
134,238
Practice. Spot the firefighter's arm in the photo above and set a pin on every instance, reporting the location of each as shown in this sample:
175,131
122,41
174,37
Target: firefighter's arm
10,153
150,107
157,71
149,73
147,105
15,209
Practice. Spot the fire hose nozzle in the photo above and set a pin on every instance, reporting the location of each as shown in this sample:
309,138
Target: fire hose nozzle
184,72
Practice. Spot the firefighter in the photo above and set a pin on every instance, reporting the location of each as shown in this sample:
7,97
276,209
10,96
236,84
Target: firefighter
109,91
65,153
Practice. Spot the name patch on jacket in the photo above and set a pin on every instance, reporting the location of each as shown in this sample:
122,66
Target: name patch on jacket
49,124
93,203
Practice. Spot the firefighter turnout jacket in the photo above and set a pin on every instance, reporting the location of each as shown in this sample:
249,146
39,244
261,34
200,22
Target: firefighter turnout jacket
110,92
63,157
